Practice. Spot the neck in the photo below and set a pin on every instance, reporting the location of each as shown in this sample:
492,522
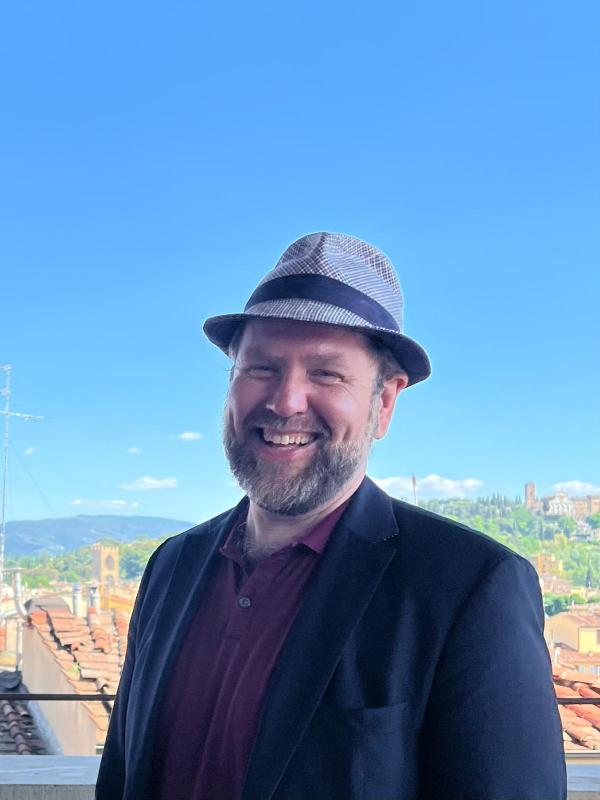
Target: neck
268,531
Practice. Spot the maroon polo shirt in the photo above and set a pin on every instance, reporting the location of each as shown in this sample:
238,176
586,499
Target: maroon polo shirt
213,702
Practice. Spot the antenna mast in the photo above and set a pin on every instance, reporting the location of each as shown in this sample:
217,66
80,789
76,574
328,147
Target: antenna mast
6,413
414,485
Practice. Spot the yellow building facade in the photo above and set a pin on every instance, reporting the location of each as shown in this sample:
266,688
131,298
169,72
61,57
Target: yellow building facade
579,631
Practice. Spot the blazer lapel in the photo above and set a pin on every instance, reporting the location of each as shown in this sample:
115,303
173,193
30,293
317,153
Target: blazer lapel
188,579
345,580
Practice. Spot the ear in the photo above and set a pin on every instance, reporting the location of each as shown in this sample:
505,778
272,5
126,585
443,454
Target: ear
391,389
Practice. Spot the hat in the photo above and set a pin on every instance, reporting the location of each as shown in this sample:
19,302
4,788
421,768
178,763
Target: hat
332,279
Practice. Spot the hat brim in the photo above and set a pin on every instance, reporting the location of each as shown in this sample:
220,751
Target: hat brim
412,357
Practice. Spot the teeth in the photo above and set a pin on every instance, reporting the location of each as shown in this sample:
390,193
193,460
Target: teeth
285,438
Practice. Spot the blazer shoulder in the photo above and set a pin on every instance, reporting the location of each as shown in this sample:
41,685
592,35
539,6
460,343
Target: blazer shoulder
426,529
167,553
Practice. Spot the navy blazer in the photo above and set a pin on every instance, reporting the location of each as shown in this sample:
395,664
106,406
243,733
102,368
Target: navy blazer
415,669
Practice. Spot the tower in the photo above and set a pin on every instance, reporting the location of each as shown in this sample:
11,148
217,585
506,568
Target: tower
530,498
105,564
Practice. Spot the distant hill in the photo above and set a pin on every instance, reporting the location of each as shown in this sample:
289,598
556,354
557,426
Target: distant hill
55,536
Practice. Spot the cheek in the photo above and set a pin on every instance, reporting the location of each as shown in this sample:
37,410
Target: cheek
346,416
242,398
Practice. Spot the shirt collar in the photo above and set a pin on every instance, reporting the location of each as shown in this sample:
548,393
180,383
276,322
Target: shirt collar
316,539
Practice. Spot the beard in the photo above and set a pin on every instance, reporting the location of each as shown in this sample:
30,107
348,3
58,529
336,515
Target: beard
332,467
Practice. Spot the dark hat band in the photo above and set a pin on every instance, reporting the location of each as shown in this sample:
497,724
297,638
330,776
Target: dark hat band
324,290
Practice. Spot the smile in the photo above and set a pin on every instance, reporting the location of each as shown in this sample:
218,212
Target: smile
294,438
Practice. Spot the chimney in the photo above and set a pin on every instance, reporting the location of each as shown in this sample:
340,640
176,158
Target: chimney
94,596
76,595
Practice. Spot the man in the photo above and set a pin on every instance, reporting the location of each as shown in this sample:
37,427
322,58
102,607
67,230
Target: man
322,641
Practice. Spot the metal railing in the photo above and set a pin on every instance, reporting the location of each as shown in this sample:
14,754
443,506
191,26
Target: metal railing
578,701
561,701
23,696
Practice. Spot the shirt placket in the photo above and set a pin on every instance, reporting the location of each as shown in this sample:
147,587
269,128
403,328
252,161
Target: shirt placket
250,591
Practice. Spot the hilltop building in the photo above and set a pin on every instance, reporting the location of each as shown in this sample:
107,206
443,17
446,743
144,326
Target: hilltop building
561,504
547,564
531,500
551,574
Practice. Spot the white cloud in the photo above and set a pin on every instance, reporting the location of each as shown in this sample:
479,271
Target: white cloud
432,486
189,436
29,450
103,505
146,482
134,450
576,487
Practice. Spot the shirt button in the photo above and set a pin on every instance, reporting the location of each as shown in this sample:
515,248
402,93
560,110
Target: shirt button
244,602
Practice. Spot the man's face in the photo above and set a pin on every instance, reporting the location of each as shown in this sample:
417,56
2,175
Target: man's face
300,414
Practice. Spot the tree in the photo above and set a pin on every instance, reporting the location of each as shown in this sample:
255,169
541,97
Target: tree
567,525
477,522
555,604
594,520
133,564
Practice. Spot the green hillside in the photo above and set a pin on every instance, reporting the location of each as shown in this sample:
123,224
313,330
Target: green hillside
76,566
509,522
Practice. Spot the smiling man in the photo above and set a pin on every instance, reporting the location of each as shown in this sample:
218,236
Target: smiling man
323,641
304,406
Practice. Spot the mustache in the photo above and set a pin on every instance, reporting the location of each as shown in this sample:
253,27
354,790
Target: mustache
303,422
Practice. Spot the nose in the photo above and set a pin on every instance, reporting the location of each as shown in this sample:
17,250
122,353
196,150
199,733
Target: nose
289,395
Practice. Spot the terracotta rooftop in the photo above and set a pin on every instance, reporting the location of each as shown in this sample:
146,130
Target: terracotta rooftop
89,651
571,658
580,723
18,733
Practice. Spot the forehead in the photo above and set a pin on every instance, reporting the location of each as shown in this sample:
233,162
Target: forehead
274,335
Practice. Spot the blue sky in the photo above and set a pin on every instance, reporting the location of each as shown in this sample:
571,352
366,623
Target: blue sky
155,160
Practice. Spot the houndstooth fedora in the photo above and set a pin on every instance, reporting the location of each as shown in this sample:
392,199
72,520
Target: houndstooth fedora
333,279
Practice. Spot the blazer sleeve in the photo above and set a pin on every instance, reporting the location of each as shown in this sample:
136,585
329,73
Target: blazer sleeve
492,730
111,775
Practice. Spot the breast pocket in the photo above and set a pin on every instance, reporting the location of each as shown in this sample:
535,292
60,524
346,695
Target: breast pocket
380,719
354,754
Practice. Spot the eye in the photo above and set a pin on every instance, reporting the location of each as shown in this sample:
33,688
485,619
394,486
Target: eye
327,376
259,371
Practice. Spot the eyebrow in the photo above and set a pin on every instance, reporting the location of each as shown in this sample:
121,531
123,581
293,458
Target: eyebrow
318,359
328,358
